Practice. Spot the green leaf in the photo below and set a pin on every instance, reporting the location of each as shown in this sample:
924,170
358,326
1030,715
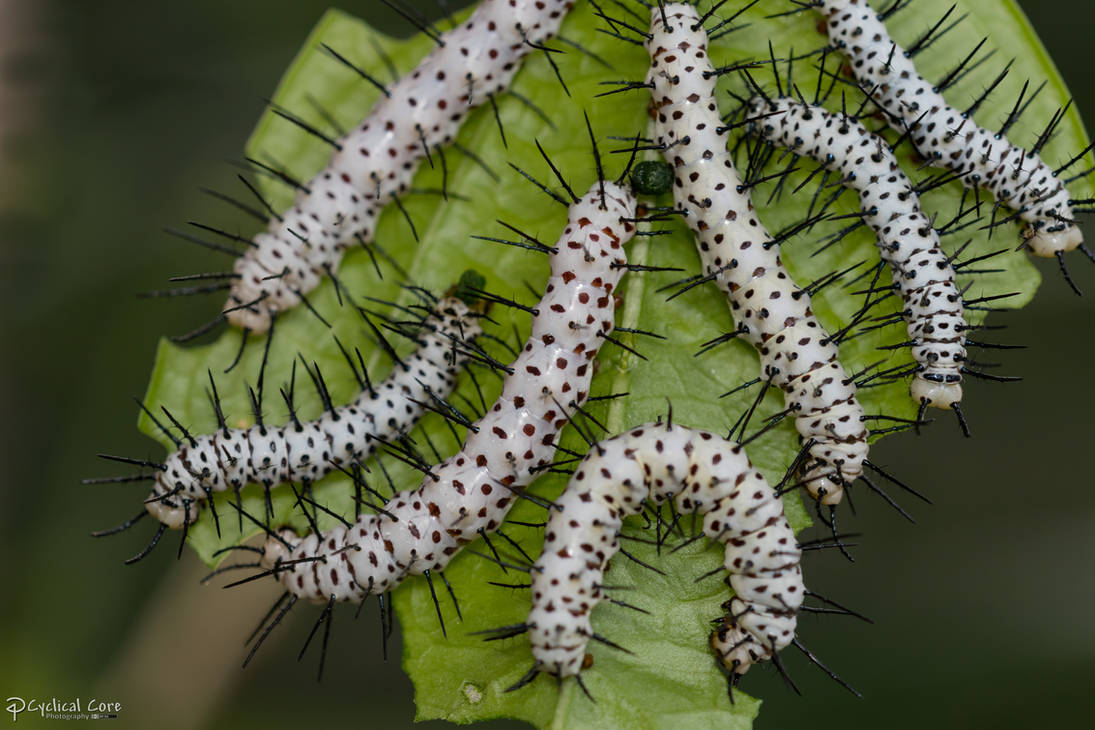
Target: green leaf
672,679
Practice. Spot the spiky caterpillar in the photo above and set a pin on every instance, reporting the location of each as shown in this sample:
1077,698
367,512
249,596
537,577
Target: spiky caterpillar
948,137
703,474
907,240
773,314
307,451
423,110
469,493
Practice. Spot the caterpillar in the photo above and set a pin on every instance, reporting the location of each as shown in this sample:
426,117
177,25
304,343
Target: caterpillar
306,451
703,474
469,493
950,138
908,242
375,162
739,254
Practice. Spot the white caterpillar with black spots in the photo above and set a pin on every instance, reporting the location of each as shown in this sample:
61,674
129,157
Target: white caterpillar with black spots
307,451
948,137
933,310
471,492
703,474
736,250
422,111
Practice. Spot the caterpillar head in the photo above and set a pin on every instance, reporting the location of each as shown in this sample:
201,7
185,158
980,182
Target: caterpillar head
558,631
175,510
245,304
178,494
748,634
559,660
245,310
1048,243
736,648
268,282
189,476
255,320
824,486
834,464
935,394
276,548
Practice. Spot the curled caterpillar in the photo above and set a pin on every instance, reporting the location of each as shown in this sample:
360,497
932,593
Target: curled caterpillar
922,272
376,161
469,493
738,253
703,474
306,451
948,137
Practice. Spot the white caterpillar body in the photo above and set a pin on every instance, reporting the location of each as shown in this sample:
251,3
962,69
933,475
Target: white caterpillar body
705,474
922,273
307,451
733,245
421,530
422,111
948,137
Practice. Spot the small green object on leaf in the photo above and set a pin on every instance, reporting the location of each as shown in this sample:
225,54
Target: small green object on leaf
652,177
470,282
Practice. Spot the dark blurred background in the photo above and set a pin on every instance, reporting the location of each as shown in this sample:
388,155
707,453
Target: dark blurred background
111,116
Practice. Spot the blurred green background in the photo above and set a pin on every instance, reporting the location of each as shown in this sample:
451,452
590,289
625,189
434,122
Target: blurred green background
111,116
